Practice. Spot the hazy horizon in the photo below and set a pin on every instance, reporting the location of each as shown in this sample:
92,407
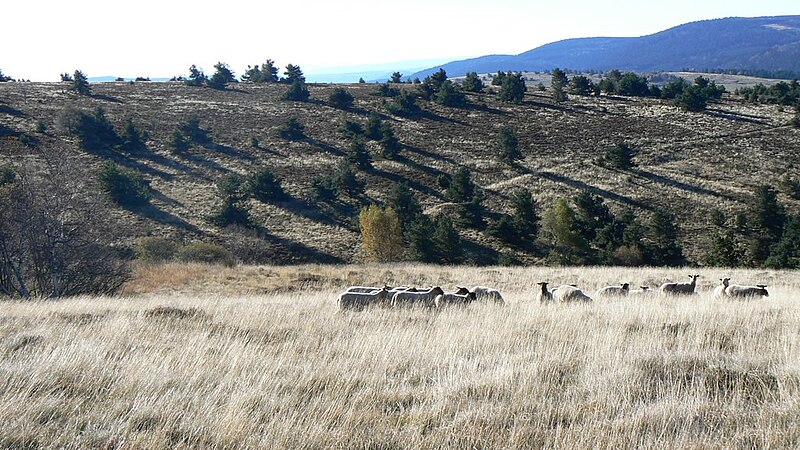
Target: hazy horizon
161,40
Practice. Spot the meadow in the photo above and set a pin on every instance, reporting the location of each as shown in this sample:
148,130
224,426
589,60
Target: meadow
259,357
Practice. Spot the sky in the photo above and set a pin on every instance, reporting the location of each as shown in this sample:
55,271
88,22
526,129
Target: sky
162,38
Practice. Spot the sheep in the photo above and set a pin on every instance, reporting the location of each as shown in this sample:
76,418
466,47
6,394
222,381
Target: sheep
678,288
424,298
453,298
568,293
609,291
737,291
719,291
366,289
544,295
641,292
487,293
360,300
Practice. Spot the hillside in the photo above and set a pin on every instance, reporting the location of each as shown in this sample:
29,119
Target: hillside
761,43
688,164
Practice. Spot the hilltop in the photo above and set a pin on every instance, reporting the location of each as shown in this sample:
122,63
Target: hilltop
760,43
689,163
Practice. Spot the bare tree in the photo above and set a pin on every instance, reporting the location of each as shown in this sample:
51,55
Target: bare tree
55,236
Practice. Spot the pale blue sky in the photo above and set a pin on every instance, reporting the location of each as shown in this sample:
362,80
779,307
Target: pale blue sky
162,38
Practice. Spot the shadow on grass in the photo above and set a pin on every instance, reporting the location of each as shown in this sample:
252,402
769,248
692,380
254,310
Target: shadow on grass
325,146
738,117
679,184
11,111
413,184
593,189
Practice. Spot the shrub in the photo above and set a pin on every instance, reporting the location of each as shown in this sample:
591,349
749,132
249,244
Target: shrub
192,130
233,189
201,252
133,140
156,249
125,187
504,229
265,186
293,130
384,90
324,189
297,92
178,143
373,129
620,156
340,98
94,131
404,105
352,129
381,233
397,77
7,175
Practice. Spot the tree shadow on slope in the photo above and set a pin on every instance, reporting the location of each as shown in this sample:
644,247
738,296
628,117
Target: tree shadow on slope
738,117
666,181
163,217
325,147
11,111
413,184
263,247
427,154
335,216
580,185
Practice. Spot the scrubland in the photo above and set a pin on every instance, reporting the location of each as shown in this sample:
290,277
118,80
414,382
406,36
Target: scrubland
259,357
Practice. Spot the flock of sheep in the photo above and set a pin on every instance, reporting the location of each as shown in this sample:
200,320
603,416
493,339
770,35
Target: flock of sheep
571,293
360,297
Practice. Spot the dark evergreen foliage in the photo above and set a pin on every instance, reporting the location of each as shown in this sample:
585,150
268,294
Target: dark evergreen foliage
124,187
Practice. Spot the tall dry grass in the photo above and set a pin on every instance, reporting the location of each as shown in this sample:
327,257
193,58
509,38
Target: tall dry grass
286,370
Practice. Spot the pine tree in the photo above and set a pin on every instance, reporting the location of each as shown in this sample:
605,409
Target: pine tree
558,85
620,156
373,129
397,77
293,74
196,77
358,155
526,218
340,98
559,228
389,143
508,145
297,92
404,203
293,130
662,245
447,241
472,83
222,76
512,87
80,83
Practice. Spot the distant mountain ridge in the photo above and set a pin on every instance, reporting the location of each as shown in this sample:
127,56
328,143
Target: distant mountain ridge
759,43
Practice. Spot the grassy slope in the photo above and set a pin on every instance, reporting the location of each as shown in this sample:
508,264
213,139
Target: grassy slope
689,162
285,370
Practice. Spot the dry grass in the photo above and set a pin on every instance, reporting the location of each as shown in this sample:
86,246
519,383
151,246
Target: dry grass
286,370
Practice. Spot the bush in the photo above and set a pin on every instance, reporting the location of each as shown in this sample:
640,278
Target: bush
133,140
340,98
450,95
404,105
125,187
346,181
201,252
293,130
389,143
7,175
265,186
620,156
324,189
297,92
178,143
381,233
156,249
373,129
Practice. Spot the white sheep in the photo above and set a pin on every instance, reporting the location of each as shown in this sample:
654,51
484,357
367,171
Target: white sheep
641,292
487,293
544,295
678,288
569,293
737,291
365,289
453,298
611,291
719,291
424,298
361,300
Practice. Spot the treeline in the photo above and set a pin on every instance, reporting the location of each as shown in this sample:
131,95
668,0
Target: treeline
691,97
781,93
